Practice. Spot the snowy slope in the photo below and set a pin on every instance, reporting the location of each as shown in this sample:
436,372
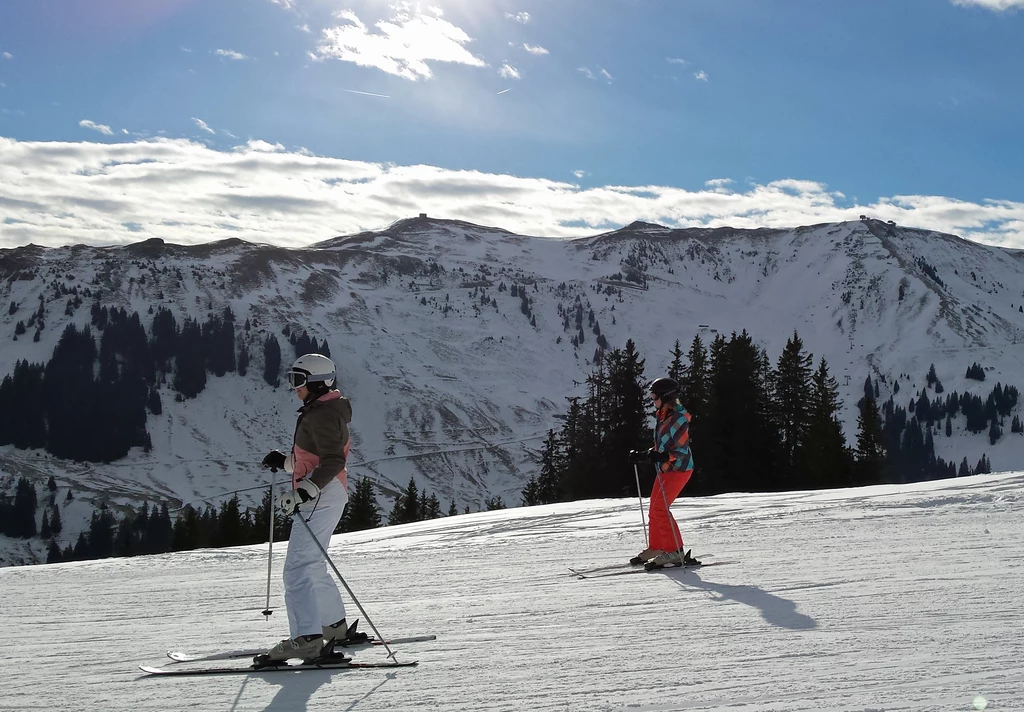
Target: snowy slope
458,393
882,598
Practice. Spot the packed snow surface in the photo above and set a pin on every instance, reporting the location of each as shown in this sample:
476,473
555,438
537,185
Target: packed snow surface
881,598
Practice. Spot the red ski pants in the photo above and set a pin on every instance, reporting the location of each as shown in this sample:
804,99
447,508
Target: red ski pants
664,530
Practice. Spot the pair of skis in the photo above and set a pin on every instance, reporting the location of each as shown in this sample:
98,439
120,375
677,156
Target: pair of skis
334,661
627,568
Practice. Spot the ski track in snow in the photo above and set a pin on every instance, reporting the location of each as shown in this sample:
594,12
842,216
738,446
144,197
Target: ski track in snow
880,598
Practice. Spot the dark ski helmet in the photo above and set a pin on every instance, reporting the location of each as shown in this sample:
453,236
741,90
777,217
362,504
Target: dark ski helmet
664,388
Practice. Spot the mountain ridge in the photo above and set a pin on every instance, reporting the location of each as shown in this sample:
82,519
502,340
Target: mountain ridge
451,382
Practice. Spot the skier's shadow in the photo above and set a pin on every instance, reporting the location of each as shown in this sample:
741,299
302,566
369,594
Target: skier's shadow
774,609
297,690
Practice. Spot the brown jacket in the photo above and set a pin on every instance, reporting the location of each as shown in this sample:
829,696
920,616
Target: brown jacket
321,445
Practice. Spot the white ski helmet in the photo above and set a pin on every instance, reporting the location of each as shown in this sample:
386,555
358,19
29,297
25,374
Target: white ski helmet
311,369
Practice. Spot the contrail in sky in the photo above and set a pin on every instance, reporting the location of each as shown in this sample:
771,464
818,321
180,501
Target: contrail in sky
367,93
505,90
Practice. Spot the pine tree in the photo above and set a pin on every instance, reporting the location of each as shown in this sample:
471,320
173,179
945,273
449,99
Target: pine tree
186,530
272,361
159,533
101,533
230,525
625,420
82,551
44,530
407,505
693,385
549,481
870,444
362,511
430,507
153,402
243,360
994,432
738,444
452,509
792,406
190,360
493,503
676,370
53,553
55,522
23,513
826,457
528,496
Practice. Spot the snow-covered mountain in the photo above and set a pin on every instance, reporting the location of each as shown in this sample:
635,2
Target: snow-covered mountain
454,383
893,597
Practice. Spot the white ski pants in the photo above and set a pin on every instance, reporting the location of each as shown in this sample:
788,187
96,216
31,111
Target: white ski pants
310,592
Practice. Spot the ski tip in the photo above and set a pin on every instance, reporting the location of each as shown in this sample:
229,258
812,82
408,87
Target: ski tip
150,670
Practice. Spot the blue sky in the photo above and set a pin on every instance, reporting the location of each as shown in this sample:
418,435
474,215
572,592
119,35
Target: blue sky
560,117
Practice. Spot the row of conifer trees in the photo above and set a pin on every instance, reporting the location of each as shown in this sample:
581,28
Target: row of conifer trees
756,426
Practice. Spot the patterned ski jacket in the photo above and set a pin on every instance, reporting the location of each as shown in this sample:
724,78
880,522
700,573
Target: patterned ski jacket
672,438
321,444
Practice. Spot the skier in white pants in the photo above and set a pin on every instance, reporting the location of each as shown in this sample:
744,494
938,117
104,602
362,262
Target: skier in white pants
316,613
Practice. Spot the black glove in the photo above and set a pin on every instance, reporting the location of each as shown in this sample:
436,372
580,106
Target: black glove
274,460
639,457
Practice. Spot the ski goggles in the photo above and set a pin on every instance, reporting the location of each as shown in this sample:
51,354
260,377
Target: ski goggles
297,379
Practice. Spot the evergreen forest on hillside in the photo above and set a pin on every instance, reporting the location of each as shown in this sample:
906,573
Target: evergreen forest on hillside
757,426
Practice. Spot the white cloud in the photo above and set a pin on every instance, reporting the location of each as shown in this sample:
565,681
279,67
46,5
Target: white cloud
286,4
587,73
579,174
187,49
522,17
606,75
533,49
231,135
507,71
303,28
230,54
719,184
403,46
103,129
7,55
672,60
997,5
187,192
701,75
202,124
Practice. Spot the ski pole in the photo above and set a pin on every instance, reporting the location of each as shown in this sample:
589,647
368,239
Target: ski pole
271,515
327,558
636,470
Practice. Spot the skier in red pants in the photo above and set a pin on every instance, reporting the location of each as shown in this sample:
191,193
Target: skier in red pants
672,457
